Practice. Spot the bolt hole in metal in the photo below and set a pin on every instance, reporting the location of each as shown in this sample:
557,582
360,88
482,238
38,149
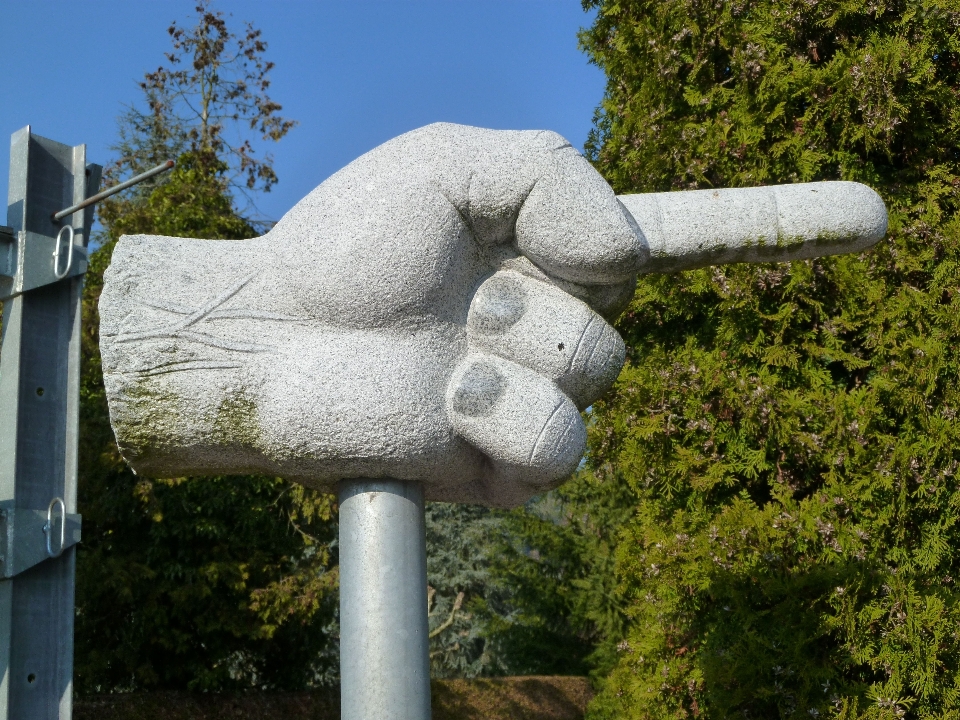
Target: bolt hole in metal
40,392
31,677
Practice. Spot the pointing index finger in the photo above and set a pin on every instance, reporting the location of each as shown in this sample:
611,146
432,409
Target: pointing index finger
691,229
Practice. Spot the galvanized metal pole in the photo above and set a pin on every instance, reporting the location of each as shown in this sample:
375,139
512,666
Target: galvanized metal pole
39,397
384,640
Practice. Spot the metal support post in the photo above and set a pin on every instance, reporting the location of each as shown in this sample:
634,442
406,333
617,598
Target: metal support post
384,639
41,277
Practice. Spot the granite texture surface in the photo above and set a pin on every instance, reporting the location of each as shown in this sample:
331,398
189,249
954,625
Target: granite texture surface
436,311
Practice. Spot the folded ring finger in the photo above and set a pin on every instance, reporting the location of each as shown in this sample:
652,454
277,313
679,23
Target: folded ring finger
538,325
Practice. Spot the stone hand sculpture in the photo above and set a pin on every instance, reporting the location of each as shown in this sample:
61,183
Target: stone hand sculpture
432,312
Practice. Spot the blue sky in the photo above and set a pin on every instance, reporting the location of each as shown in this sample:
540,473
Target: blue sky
354,74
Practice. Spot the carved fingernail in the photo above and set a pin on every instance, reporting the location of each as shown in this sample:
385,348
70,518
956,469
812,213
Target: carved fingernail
600,354
498,304
596,363
480,387
561,442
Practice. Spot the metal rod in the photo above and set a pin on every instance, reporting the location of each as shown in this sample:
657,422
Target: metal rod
58,216
384,642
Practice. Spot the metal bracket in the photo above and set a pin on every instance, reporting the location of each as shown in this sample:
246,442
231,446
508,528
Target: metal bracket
30,260
28,537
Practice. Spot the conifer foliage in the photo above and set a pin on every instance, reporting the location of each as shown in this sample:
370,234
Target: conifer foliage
787,434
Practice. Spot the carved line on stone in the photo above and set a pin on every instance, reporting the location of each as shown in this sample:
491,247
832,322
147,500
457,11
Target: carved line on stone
244,314
206,312
225,313
543,430
596,344
561,441
195,317
221,343
182,366
168,307
576,351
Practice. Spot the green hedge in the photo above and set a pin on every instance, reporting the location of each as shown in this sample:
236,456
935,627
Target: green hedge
787,434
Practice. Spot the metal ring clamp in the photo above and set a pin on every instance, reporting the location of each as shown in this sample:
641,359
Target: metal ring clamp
48,528
56,254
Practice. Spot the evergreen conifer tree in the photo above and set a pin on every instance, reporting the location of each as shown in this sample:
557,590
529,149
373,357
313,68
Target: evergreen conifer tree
784,438
461,590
